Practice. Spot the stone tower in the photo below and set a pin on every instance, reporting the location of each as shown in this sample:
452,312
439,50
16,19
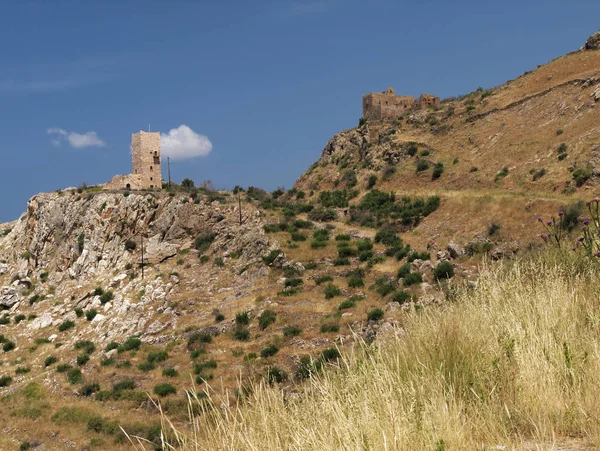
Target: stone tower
145,150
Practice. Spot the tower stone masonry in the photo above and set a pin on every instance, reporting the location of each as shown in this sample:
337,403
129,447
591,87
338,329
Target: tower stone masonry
145,164
382,106
145,153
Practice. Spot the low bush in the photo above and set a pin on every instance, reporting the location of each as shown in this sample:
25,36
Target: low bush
198,339
163,390
50,360
241,334
331,291
74,376
89,389
90,314
323,279
131,344
292,331
276,374
355,282
242,318
170,372
269,351
82,359
322,215
5,381
330,354
347,304
87,346
412,278
266,319
8,346
401,297
66,325
375,314
443,270
330,327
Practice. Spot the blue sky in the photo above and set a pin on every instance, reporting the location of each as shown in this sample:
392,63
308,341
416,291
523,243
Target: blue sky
266,82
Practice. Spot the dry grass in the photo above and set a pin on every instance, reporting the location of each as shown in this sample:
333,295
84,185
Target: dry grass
513,362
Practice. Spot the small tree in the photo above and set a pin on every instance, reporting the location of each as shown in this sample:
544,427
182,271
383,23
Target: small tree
187,183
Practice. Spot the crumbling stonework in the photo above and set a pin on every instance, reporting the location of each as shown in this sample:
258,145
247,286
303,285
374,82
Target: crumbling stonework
146,169
381,106
593,42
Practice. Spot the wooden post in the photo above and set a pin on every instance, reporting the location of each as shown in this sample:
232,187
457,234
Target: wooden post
169,169
240,206
142,257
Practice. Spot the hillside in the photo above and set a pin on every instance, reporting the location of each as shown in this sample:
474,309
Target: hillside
113,297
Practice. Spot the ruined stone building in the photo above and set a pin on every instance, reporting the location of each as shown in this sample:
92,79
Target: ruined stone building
381,106
146,170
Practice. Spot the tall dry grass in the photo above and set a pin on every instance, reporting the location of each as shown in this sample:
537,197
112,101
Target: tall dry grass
512,362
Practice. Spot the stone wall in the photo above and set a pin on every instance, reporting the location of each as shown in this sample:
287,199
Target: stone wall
129,181
382,106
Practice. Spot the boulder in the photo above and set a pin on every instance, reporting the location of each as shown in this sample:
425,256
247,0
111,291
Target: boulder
9,296
3,268
157,251
593,42
455,250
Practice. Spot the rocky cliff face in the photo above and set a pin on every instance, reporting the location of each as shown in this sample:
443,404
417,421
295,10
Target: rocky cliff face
67,244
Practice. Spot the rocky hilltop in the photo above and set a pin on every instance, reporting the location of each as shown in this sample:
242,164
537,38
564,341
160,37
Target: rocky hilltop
111,296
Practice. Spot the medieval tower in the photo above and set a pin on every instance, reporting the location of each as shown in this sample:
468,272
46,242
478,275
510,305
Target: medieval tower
145,164
145,153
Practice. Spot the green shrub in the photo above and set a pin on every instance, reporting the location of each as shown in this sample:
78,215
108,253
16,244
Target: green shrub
372,181
412,278
330,354
89,389
269,351
8,346
330,327
131,344
336,198
323,279
78,312
66,325
5,381
87,346
341,261
403,271
50,360
62,368
98,291
163,390
346,251
343,237
90,314
275,374
219,317
364,245
501,174
356,282
82,359
126,384
241,334
299,237
269,259
22,370
170,372
4,320
198,339
266,319
384,286
422,165
582,175
110,346
19,318
443,270
346,304
158,356
375,314
539,174
401,297
292,331
242,318
146,366
74,376
130,245
322,215
438,170
331,291
218,261
321,234
203,241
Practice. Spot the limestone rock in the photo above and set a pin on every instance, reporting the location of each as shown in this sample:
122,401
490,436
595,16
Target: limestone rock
157,251
596,94
593,42
9,296
455,250
3,268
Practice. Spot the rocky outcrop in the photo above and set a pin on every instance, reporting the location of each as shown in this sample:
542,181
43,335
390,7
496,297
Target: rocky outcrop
593,42
85,235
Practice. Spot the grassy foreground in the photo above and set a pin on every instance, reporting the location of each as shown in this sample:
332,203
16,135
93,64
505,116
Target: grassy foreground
513,362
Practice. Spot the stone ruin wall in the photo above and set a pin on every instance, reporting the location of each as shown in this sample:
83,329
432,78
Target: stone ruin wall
382,106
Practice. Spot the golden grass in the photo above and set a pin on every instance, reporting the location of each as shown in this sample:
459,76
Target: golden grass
513,362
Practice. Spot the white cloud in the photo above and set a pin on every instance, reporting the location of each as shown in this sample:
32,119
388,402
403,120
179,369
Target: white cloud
76,140
182,143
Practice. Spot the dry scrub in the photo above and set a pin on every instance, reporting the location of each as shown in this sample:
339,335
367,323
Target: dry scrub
513,362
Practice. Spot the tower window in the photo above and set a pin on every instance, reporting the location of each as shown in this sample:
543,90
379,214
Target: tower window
150,178
150,167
